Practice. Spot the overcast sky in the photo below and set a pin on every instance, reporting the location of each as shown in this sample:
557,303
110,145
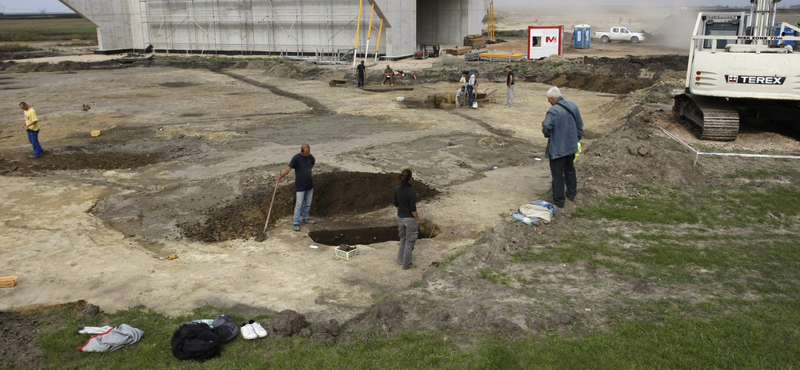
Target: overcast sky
54,6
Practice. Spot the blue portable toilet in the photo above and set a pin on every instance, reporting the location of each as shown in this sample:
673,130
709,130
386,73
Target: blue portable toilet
582,36
789,33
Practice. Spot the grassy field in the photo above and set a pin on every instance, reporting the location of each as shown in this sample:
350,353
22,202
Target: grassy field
19,29
743,239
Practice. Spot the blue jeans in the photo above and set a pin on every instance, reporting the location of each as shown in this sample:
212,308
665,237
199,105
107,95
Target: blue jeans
302,206
471,94
33,137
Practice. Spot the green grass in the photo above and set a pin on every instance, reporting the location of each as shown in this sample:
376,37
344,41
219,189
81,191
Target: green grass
745,238
664,334
758,174
742,265
494,277
710,207
46,29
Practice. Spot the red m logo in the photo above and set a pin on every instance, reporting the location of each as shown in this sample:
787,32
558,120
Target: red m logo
549,39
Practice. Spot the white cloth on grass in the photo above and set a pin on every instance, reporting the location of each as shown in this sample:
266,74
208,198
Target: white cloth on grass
534,211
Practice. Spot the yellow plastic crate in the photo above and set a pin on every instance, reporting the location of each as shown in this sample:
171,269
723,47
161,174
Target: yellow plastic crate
8,281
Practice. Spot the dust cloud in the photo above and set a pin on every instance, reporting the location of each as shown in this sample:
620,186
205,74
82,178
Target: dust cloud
664,23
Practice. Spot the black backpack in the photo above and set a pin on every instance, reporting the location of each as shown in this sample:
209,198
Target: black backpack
195,340
225,328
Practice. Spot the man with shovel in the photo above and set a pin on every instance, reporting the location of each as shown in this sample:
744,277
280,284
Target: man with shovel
302,163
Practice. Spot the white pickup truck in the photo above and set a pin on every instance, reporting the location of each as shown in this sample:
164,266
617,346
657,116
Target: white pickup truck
619,34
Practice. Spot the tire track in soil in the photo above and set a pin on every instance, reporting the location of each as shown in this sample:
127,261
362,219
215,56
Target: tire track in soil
317,108
507,134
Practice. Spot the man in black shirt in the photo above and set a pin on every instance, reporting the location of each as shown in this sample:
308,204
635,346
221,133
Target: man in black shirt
510,85
302,164
405,200
362,71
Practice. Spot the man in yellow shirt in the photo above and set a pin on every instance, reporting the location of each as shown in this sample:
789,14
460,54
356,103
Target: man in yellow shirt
32,126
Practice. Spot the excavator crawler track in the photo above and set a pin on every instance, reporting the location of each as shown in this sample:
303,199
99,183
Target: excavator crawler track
715,118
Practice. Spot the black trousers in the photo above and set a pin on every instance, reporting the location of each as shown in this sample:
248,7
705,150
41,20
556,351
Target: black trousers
360,80
563,172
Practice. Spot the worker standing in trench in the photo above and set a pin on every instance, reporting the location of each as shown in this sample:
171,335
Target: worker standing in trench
302,163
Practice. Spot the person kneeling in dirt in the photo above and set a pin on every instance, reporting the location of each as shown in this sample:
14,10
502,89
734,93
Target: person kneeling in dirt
388,74
563,128
302,164
461,97
405,200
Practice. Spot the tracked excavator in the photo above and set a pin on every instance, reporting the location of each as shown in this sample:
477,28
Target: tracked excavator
741,67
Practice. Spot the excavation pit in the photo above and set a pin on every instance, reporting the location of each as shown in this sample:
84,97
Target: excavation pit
441,101
335,194
79,161
365,235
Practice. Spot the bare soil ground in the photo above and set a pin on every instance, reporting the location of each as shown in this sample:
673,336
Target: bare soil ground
186,164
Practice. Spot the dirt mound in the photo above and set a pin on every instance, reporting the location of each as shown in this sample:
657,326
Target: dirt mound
616,75
632,66
469,295
600,83
635,154
18,342
660,93
335,193
77,161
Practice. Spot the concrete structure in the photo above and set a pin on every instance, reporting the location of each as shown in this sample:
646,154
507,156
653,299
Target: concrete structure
293,27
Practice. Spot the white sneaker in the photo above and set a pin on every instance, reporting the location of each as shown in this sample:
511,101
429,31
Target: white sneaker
248,332
259,330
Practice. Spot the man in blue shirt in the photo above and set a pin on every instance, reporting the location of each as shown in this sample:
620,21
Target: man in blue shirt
302,164
563,128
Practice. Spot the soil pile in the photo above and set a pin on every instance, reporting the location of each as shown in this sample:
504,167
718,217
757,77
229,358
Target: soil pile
18,343
635,154
79,161
600,83
335,193
621,75
632,66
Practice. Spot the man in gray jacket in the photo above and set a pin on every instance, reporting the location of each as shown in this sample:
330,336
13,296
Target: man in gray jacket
563,128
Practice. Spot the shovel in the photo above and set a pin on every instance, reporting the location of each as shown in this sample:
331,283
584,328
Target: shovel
263,236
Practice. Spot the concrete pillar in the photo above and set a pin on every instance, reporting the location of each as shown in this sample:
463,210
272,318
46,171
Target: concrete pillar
113,21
